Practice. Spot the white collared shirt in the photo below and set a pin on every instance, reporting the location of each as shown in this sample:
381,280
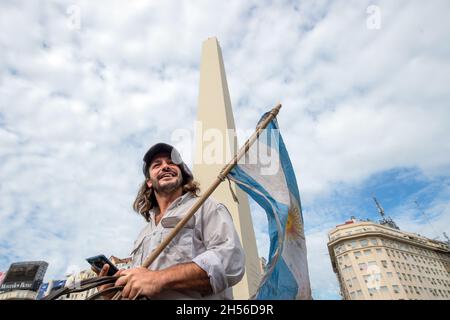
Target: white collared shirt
208,239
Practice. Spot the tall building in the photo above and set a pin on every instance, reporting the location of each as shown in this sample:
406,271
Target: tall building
216,143
380,262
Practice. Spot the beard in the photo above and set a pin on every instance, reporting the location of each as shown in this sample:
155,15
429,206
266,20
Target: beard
167,187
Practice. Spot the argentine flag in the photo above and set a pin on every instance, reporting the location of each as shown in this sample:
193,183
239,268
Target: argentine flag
266,174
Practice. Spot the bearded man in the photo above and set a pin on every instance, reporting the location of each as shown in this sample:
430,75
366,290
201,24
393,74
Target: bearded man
204,260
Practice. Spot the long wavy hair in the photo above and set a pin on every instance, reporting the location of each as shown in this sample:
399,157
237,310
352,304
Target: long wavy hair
146,200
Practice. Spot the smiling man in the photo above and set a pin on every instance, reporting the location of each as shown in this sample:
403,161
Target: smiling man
204,260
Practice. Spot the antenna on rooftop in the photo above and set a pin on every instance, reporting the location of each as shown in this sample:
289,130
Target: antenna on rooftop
385,220
447,239
380,208
426,217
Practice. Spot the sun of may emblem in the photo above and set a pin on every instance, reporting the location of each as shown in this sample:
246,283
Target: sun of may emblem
294,227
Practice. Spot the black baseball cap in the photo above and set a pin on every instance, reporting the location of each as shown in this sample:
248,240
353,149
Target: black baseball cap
174,155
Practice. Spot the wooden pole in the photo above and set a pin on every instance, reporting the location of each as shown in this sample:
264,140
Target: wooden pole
220,178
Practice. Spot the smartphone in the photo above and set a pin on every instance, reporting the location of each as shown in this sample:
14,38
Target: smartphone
98,261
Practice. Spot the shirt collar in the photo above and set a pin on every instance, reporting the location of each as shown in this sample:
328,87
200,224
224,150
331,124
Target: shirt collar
178,201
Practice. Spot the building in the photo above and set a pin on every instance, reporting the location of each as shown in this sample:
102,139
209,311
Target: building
377,261
22,280
124,264
73,279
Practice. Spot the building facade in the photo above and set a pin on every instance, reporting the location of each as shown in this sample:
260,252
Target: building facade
72,281
376,262
18,295
121,264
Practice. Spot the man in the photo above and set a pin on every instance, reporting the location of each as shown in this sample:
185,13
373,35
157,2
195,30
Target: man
204,260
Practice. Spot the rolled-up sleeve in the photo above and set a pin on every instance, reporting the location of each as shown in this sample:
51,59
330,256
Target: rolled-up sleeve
224,259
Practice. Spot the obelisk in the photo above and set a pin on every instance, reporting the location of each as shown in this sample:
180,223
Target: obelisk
215,144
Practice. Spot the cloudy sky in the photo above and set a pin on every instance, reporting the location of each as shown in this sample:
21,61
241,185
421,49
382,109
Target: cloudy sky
86,87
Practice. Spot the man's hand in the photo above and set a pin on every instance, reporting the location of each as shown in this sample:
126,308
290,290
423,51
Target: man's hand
102,273
140,282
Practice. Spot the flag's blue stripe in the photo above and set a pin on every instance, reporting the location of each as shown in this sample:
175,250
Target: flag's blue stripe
274,140
281,284
289,173
240,175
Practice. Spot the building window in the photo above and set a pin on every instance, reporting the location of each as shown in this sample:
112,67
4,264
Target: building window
384,263
379,251
384,289
396,288
362,266
364,243
359,292
372,263
353,295
389,274
347,269
349,283
367,252
353,244
357,254
374,242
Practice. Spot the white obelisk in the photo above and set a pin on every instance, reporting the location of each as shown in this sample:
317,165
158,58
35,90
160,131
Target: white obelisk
215,144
